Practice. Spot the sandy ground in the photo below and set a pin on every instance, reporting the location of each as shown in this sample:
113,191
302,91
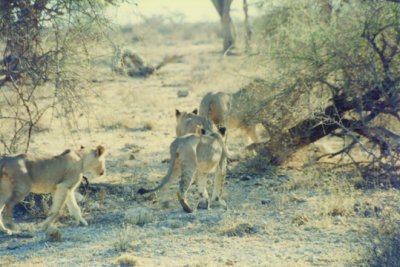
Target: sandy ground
284,217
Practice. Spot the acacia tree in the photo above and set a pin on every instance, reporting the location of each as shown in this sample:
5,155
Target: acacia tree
44,42
223,8
338,76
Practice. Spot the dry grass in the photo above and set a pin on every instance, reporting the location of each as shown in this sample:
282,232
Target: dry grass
127,260
126,240
239,229
383,248
300,220
301,207
148,126
138,216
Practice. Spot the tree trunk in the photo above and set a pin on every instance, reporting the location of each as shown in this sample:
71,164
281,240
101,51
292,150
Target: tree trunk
223,8
246,25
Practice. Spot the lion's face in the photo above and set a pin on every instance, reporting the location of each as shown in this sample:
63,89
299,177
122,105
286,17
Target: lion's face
98,164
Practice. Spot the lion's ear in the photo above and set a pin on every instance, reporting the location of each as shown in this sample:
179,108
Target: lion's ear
177,113
195,111
100,150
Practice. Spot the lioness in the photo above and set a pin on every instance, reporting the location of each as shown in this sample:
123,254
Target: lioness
230,110
59,174
189,122
196,155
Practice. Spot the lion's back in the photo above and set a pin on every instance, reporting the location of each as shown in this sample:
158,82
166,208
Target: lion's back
215,106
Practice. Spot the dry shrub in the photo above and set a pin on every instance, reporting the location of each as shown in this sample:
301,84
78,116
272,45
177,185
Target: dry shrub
384,241
101,195
34,205
138,216
336,73
127,260
148,126
258,163
300,220
161,27
35,55
240,230
339,204
127,239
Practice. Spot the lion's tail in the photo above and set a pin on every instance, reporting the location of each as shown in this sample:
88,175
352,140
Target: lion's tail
173,153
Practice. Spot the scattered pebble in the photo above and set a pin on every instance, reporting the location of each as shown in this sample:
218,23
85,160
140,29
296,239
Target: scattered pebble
53,234
14,245
183,93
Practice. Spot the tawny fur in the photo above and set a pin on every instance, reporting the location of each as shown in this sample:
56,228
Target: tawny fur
196,155
188,122
229,110
60,175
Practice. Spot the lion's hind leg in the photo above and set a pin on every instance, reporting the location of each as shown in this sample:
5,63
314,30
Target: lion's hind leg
5,194
188,170
2,227
74,208
59,198
204,202
11,194
164,194
219,183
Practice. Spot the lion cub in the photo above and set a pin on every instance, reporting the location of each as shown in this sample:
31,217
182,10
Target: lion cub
230,110
196,155
187,122
59,175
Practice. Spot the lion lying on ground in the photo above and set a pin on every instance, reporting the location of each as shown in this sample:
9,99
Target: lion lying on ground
189,122
230,110
59,174
196,155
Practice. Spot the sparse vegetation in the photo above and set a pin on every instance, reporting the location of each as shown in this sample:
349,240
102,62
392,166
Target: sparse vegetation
126,239
326,213
336,73
46,55
127,260
240,230
383,248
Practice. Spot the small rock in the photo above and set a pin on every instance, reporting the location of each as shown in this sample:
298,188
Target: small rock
245,178
14,245
53,234
183,93
24,234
